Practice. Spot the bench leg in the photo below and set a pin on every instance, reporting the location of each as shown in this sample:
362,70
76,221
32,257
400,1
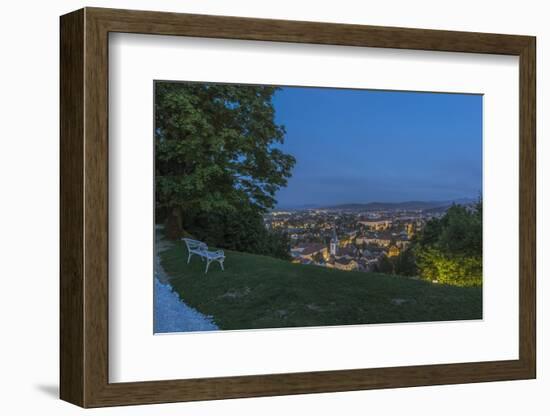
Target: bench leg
207,265
189,258
221,264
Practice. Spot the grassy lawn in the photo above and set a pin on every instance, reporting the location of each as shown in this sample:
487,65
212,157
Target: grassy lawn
263,292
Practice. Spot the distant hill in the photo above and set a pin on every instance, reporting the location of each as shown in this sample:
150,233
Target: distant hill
404,206
375,206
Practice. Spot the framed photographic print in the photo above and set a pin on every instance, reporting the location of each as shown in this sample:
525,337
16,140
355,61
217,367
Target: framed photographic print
255,207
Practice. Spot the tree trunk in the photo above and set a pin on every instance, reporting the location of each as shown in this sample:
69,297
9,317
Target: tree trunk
173,227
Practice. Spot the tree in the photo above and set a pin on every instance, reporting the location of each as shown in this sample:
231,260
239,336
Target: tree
216,150
449,250
240,230
405,264
384,265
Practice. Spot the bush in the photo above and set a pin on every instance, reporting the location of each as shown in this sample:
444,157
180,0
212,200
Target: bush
450,269
449,250
405,264
240,230
385,265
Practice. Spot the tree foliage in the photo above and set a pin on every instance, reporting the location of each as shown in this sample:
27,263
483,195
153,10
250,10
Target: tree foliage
405,263
218,164
215,147
385,265
449,250
239,230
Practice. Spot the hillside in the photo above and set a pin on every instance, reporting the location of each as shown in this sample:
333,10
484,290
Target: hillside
264,292
403,206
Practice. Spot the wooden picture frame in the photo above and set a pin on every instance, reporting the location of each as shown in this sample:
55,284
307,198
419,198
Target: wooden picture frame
84,207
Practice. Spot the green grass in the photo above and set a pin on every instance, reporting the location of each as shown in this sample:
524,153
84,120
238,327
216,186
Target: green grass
263,292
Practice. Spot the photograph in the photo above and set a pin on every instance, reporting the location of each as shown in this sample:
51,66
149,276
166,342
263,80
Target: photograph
306,206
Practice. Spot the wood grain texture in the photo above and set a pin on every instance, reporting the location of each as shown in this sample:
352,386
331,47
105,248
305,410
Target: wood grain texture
71,100
96,219
84,207
527,207
162,23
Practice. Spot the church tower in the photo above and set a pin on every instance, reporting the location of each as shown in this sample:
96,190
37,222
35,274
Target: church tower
333,242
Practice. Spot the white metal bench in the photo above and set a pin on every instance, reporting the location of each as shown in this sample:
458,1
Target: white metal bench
201,249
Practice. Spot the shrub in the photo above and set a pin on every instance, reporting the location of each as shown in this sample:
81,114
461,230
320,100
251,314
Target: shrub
450,269
405,264
449,250
240,230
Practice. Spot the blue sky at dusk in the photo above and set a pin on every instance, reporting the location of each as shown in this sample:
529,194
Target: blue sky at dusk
364,146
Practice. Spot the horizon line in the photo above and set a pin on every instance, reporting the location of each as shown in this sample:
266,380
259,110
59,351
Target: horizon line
336,204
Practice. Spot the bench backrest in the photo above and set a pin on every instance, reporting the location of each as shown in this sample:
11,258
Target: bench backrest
194,244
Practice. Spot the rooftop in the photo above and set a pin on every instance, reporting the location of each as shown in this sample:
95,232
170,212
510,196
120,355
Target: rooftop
312,248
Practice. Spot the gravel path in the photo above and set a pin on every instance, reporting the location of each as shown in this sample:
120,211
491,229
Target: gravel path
170,313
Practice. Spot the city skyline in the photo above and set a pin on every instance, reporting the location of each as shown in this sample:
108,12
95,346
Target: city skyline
363,146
